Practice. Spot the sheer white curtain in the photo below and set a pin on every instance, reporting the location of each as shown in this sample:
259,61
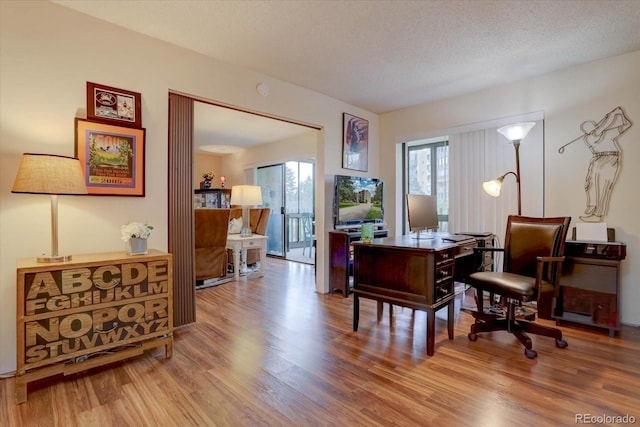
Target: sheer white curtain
480,155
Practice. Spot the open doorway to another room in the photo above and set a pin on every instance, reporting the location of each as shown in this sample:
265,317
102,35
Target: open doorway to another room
288,189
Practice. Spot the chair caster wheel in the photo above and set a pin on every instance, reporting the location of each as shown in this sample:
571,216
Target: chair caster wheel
561,343
472,336
531,354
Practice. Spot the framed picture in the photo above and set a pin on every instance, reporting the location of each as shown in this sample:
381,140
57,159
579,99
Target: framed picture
112,158
355,142
114,106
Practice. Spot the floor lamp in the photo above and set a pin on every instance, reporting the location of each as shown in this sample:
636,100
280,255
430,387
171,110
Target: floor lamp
515,134
53,175
246,196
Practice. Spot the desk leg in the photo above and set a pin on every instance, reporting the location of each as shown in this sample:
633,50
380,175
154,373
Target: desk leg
356,311
431,330
450,314
236,263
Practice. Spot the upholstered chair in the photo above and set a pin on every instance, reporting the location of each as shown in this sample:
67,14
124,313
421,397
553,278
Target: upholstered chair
532,257
211,228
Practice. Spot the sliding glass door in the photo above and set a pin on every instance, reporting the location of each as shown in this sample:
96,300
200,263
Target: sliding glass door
288,189
271,180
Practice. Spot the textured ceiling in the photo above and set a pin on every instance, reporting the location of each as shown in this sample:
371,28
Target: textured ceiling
387,55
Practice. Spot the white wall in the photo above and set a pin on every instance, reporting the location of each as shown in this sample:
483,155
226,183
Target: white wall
567,98
296,148
48,54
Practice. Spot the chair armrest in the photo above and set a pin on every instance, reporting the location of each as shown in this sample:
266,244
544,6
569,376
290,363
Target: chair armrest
542,260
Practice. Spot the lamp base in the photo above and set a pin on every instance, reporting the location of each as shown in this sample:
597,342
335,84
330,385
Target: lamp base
54,258
245,232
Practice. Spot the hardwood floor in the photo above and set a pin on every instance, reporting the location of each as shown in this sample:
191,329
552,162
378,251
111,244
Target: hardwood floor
272,352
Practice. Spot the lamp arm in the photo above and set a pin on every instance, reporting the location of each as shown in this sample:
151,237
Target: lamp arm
517,176
510,173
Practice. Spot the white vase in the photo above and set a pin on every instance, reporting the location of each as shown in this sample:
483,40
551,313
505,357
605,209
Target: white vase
137,246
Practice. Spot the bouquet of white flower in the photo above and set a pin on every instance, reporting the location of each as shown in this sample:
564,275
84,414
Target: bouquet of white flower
137,230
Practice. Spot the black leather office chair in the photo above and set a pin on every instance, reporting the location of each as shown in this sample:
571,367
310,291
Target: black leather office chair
533,250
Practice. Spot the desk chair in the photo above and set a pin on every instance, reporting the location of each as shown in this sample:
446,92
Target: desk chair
307,232
531,268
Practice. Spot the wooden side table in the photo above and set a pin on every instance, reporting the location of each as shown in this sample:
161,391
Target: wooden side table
239,244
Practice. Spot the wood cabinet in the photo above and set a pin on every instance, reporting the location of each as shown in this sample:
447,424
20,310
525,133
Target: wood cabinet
90,311
341,258
589,290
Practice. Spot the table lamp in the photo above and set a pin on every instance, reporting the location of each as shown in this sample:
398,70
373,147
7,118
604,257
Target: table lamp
245,196
515,134
54,175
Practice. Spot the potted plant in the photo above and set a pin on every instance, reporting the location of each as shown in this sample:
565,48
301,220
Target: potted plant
208,177
135,234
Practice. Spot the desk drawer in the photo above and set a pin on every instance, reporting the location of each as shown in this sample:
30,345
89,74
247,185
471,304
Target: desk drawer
466,249
444,256
444,272
250,244
443,290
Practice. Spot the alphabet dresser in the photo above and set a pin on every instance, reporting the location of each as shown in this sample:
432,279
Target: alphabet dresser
90,311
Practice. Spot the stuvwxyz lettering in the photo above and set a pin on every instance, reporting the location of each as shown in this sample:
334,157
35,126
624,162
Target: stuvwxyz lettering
53,349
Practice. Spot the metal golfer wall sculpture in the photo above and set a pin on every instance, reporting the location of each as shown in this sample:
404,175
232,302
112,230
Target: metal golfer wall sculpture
602,140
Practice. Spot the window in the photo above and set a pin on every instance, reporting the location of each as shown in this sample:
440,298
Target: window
427,172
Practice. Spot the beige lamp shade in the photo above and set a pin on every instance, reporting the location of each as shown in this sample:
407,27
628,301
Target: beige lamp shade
246,195
53,175
49,174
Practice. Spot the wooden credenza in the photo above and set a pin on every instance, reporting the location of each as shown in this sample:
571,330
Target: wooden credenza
90,311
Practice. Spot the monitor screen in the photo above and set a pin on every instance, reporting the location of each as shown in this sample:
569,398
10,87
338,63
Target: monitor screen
358,200
422,211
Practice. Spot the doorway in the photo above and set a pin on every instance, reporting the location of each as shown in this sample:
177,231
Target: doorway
288,189
180,198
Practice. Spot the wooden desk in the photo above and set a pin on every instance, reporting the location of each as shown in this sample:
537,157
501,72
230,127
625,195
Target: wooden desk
404,271
238,244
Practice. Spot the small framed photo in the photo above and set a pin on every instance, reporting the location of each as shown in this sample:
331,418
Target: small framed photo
355,142
107,104
112,158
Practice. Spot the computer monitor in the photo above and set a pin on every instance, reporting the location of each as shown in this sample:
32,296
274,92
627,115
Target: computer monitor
422,211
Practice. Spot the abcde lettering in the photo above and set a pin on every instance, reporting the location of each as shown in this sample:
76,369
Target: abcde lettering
63,289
